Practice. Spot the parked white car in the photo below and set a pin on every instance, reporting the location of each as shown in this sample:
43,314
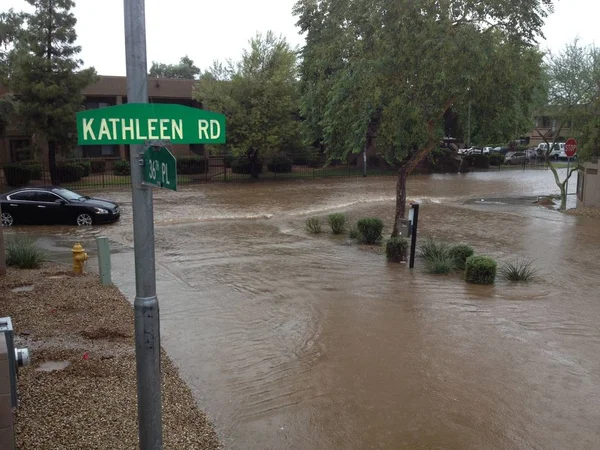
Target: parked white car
487,150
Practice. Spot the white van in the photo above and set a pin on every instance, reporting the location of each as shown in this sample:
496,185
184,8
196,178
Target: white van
557,152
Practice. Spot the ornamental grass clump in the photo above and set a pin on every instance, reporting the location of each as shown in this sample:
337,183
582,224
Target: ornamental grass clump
314,225
519,270
337,222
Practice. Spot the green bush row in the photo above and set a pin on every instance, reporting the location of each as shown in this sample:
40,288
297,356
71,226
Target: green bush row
122,168
191,165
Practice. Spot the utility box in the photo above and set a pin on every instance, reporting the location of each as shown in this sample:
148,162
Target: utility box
7,434
6,330
404,228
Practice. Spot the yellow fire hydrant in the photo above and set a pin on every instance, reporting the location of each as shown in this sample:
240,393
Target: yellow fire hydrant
79,258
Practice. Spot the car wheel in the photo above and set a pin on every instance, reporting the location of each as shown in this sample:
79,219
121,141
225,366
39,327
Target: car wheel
7,219
84,219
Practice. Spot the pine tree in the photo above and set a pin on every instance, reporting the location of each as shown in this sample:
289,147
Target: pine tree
46,75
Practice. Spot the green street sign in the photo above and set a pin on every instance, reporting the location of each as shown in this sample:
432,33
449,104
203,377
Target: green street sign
160,168
136,123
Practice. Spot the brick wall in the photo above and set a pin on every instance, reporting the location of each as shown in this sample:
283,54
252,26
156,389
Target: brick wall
7,438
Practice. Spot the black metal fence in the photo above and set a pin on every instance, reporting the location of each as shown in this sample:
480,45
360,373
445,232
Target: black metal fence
99,174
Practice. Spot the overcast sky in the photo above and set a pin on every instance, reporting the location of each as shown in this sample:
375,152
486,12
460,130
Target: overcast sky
206,30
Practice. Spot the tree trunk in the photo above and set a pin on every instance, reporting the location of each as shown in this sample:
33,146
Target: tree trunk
52,163
400,201
371,139
412,163
563,197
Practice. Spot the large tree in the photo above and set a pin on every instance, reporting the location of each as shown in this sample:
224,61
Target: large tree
46,74
382,74
573,93
184,70
258,95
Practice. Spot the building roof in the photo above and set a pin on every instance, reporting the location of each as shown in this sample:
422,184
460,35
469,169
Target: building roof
111,86
157,87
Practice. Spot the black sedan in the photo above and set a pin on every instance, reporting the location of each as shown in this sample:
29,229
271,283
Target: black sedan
53,205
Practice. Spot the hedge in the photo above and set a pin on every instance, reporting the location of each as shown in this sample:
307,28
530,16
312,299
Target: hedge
496,159
190,165
86,166
69,172
122,168
17,174
396,249
459,254
97,166
280,164
241,165
35,167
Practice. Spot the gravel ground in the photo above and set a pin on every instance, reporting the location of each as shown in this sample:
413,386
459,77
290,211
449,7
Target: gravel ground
91,404
585,212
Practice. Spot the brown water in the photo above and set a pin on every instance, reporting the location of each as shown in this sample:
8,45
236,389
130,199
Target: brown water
291,341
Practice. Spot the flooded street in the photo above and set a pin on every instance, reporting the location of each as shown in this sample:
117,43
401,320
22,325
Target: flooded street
291,341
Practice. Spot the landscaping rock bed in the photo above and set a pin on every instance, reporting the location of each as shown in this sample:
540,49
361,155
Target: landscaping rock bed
90,400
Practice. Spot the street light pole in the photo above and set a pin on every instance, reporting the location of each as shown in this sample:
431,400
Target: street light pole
147,326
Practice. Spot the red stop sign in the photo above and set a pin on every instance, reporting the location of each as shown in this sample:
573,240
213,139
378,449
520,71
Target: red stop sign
570,147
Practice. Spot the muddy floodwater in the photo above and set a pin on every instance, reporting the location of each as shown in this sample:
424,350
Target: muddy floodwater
294,341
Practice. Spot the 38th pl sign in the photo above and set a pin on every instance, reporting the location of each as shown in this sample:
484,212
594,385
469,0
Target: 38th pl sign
137,123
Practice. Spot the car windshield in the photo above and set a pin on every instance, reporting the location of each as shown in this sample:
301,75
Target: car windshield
68,195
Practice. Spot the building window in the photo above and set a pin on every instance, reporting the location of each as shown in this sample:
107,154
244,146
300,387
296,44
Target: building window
99,151
543,122
20,150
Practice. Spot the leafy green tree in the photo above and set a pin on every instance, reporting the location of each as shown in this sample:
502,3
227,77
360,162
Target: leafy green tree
573,77
46,74
382,74
184,70
258,95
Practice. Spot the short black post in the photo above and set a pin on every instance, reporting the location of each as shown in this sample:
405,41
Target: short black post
413,234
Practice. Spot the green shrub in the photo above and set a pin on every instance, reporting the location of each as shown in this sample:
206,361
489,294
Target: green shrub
396,249
97,166
440,265
69,172
313,159
478,161
496,159
520,270
280,164
337,222
227,160
86,166
17,174
122,168
241,165
353,233
431,249
313,225
370,229
22,252
300,157
35,167
190,165
459,254
480,270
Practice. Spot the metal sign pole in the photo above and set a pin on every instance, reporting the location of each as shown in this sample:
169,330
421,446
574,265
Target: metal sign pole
413,241
147,327
568,168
